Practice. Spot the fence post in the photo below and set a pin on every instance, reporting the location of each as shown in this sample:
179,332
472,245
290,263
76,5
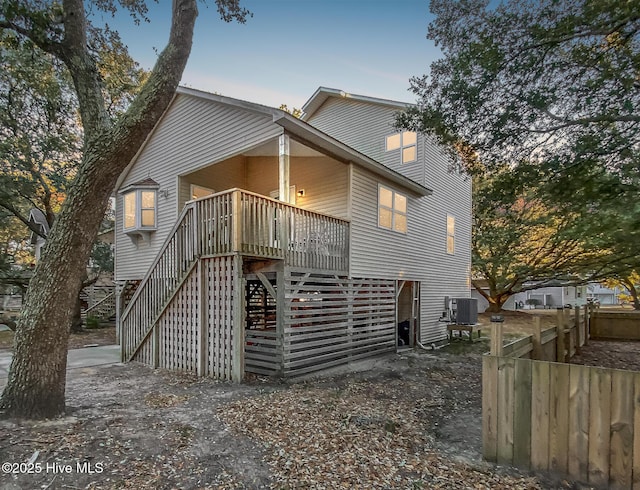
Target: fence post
538,355
586,324
560,335
496,335
579,333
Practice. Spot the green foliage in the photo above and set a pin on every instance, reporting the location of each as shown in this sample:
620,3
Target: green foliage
525,238
40,139
295,112
554,81
92,322
540,100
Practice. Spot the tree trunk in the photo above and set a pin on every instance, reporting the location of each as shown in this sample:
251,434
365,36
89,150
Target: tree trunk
76,318
496,305
633,292
37,376
496,300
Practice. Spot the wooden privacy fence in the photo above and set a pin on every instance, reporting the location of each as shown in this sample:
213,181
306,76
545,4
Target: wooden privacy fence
579,421
623,325
569,419
559,343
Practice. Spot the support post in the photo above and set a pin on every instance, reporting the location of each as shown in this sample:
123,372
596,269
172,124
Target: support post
203,324
560,356
236,229
538,353
282,339
238,342
586,324
283,168
496,335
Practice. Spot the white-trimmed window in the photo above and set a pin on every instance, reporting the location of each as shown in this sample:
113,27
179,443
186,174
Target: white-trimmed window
406,141
140,207
451,234
392,209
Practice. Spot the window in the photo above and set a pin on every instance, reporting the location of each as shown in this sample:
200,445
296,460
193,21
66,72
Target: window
407,142
140,207
451,234
392,210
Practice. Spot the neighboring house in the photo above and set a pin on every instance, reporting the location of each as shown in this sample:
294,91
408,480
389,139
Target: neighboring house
603,295
552,296
37,218
259,242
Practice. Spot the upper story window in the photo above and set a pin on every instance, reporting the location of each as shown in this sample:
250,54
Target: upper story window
407,142
140,207
392,210
451,234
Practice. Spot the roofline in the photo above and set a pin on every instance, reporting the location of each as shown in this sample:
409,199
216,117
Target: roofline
304,131
316,138
125,172
323,93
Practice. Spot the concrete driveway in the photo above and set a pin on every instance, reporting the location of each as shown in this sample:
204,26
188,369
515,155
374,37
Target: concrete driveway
77,358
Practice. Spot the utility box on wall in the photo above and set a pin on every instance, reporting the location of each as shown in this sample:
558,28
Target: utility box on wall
465,310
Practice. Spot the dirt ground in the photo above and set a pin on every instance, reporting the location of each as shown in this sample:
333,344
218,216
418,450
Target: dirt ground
96,336
404,421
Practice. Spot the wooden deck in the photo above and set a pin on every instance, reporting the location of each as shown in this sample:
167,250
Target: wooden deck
213,234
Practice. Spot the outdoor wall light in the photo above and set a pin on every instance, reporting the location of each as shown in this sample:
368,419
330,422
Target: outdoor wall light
301,193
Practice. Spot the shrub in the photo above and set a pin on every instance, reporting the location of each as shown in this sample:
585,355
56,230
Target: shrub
92,322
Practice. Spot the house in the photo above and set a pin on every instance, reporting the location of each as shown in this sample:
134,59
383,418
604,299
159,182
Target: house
248,240
38,219
603,295
554,295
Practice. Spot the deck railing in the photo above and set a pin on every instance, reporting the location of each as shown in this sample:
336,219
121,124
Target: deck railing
239,221
172,264
234,221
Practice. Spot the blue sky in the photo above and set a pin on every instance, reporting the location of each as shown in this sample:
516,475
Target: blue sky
291,47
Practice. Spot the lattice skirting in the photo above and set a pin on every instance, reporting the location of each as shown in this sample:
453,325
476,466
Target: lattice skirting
323,320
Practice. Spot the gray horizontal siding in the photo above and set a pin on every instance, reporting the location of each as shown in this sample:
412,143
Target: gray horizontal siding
420,255
365,126
194,133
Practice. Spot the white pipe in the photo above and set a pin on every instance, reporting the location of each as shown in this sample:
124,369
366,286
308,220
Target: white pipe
432,347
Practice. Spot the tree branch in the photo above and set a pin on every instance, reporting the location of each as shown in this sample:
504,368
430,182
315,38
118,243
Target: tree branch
13,210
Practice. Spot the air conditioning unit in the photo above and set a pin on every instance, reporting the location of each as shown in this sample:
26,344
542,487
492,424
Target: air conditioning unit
465,310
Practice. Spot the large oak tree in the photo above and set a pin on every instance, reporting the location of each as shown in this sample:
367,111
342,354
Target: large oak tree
526,239
556,84
550,80
37,377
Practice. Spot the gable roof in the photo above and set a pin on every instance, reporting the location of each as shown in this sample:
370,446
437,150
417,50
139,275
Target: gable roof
304,133
323,93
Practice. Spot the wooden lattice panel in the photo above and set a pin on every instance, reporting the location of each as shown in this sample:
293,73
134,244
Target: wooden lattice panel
220,280
177,329
331,320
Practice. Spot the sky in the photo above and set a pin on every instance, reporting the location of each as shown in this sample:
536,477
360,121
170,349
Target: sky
289,48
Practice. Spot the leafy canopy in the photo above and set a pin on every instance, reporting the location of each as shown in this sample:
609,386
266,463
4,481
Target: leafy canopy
555,81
